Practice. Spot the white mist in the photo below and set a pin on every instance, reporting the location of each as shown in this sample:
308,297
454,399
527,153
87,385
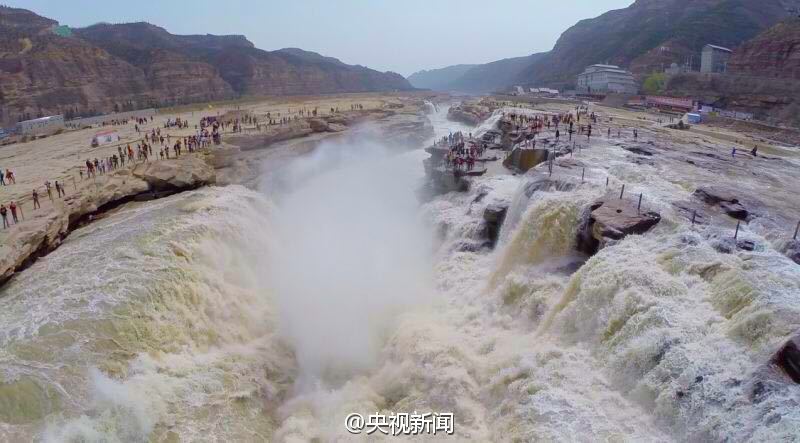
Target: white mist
350,254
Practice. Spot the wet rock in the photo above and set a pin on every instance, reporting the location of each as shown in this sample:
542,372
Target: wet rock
638,150
746,245
724,199
728,245
544,183
791,249
692,211
318,125
187,172
788,358
610,219
336,127
494,215
724,246
522,160
468,113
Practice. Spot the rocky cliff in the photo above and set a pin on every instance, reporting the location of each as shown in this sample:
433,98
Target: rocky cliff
774,53
107,67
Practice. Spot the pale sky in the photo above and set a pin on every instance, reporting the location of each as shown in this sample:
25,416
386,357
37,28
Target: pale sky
402,36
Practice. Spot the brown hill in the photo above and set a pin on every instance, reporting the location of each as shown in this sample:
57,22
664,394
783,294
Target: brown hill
774,53
108,67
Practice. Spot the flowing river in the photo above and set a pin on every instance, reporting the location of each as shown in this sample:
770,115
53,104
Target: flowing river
234,314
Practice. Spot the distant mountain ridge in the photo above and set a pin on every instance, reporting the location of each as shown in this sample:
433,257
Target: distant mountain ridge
106,67
438,79
487,77
496,75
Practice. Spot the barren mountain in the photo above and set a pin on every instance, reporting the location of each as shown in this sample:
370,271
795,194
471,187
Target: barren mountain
108,67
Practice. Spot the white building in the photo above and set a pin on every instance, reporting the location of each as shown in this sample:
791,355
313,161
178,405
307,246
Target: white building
39,126
544,91
714,59
606,78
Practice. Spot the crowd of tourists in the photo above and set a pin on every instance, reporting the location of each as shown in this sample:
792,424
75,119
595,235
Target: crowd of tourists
153,145
462,152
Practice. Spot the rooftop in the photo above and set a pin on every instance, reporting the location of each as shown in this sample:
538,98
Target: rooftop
43,119
718,48
605,68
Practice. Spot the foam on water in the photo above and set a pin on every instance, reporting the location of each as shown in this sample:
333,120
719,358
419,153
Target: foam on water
220,315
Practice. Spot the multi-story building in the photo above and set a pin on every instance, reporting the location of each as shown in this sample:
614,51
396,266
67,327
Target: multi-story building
39,126
606,78
714,59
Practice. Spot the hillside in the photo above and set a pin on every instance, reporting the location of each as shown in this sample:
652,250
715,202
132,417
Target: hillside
438,79
493,76
653,33
774,53
762,77
127,66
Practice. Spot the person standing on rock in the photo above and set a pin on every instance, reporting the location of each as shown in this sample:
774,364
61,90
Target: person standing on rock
733,152
558,134
2,178
49,192
36,203
13,208
754,152
59,188
4,214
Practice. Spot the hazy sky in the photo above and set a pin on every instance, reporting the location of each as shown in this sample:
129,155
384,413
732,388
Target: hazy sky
402,36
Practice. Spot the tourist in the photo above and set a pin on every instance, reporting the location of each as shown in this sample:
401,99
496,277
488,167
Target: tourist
60,189
755,151
10,177
4,214
2,178
13,208
36,203
49,192
733,152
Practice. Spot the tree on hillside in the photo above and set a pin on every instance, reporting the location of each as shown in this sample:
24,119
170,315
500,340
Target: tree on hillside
654,83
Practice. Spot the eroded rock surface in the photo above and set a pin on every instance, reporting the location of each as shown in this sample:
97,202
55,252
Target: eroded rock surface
610,219
38,236
494,215
724,199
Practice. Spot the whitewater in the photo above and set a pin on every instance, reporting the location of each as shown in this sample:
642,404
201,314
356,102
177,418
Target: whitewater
270,314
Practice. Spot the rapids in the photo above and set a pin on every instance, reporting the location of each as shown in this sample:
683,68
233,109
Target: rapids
232,314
